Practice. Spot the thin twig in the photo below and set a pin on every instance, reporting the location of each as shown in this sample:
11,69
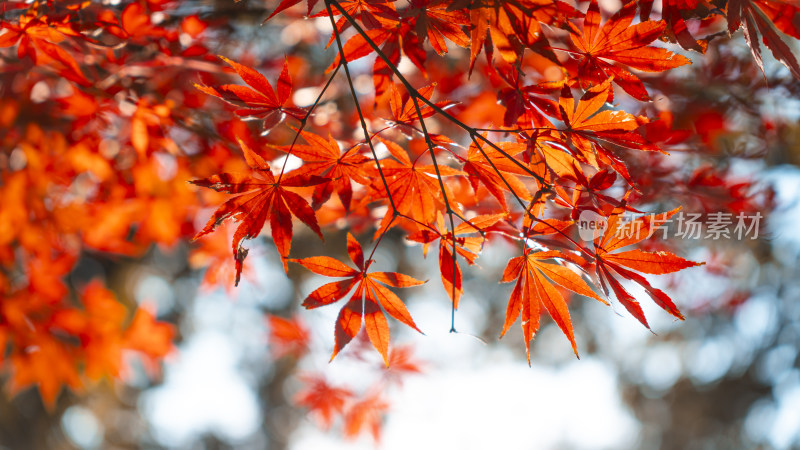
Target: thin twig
304,121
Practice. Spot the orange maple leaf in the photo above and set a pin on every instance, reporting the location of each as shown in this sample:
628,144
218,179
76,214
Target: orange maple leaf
414,187
148,336
466,246
483,163
366,414
588,127
47,363
534,292
323,399
369,300
401,363
618,236
288,336
323,158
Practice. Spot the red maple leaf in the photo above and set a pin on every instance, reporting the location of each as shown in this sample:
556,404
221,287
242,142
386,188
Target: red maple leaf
404,109
373,14
617,40
509,27
261,102
752,15
260,196
38,38
437,20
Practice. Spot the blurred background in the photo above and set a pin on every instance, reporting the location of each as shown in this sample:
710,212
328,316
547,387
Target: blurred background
726,377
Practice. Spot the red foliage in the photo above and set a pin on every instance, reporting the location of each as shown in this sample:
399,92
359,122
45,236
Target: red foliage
104,127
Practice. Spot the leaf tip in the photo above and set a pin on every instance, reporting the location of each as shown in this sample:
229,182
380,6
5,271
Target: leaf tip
333,355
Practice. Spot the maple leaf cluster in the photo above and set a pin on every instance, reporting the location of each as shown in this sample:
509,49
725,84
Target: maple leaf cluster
565,152
120,128
89,166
